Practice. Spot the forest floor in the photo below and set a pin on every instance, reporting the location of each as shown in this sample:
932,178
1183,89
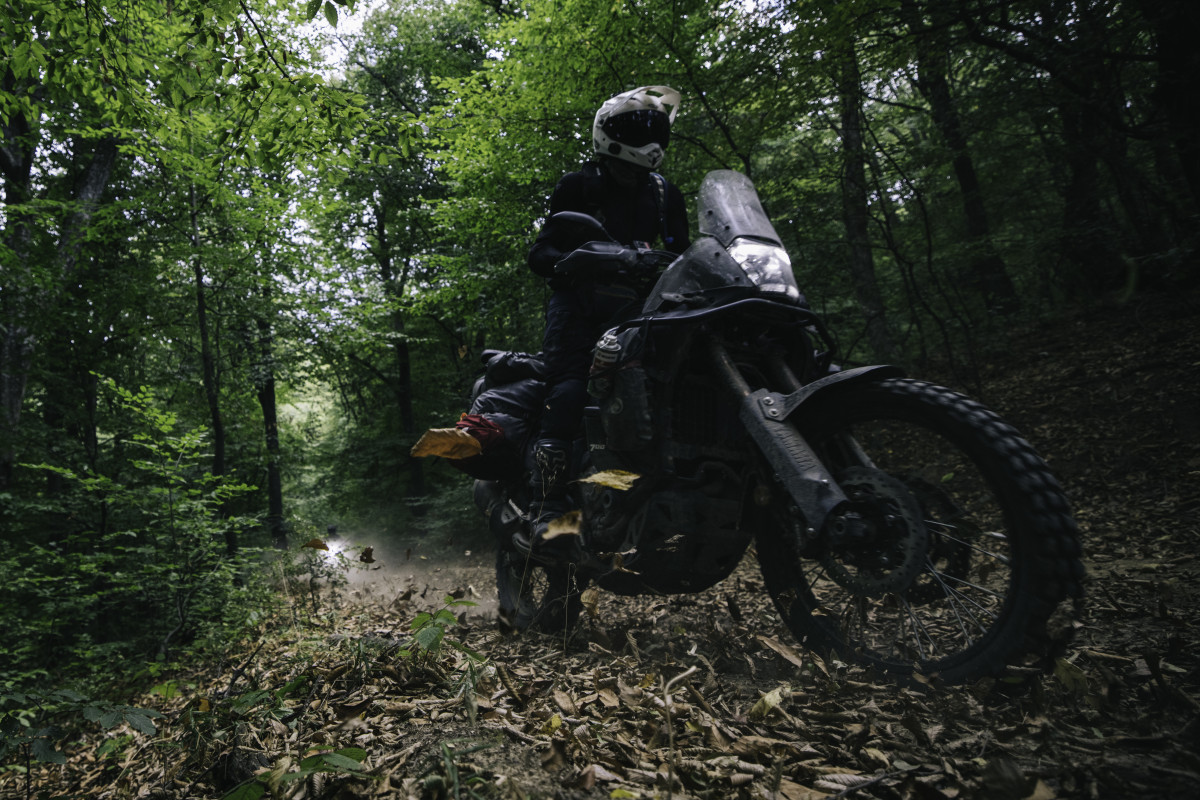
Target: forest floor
1110,397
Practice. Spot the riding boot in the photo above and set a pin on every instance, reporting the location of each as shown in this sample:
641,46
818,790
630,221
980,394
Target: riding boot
548,499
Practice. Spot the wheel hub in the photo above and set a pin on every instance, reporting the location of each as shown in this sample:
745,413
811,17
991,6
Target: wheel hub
879,541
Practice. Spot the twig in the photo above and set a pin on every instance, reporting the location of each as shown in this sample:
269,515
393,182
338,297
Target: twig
263,39
849,790
699,698
518,735
238,672
507,680
667,686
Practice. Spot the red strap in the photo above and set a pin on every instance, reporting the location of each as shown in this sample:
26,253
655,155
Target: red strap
487,432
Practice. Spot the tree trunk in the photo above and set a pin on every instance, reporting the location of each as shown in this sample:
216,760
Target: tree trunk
20,301
854,207
264,382
393,285
16,342
1087,239
1175,23
987,272
1075,50
208,362
16,350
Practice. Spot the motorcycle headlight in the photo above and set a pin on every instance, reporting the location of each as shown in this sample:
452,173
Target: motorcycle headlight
768,267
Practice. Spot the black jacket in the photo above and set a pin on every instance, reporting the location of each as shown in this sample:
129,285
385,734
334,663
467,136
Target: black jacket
650,212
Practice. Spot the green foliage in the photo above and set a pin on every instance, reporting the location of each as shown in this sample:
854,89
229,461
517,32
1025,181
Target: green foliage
429,632
213,724
446,777
32,723
343,761
159,556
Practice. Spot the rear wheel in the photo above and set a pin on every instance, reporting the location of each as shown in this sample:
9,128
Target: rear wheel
961,545
535,596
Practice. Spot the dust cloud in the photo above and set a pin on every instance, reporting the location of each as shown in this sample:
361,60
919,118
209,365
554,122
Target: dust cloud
384,565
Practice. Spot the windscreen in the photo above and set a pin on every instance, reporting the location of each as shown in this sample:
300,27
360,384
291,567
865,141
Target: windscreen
729,208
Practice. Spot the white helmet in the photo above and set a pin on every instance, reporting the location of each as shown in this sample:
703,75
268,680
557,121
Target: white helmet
635,126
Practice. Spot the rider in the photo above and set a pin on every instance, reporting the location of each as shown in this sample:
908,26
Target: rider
637,206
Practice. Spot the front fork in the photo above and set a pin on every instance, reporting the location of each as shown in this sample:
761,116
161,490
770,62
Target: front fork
808,483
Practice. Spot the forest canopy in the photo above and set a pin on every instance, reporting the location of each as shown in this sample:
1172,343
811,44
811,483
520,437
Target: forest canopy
250,249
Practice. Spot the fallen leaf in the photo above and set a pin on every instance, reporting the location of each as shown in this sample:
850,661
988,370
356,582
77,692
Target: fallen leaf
751,746
617,479
877,755
782,649
1073,679
453,443
592,774
566,525
1042,792
769,702
590,599
788,790
315,544
565,702
842,781
556,756
345,711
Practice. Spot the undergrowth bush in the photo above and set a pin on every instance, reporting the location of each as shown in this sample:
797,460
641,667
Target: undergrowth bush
146,571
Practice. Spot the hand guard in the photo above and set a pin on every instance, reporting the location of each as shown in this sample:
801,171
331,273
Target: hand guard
599,262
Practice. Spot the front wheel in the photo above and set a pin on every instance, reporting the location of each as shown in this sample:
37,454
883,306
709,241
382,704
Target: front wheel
534,596
963,548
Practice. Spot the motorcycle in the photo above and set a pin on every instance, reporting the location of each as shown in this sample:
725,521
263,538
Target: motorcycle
897,524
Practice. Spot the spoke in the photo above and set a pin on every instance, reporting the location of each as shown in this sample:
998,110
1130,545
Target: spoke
846,611
917,626
818,574
1003,559
969,585
953,596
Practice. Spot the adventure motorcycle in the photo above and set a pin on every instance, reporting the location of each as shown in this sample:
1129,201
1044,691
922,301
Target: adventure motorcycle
896,523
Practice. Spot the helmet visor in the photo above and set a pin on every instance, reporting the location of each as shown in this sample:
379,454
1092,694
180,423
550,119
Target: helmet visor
639,128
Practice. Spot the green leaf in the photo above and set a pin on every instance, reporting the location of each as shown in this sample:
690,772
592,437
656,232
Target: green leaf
292,685
356,753
250,790
340,763
167,690
140,723
462,648
430,638
331,14
313,7
43,750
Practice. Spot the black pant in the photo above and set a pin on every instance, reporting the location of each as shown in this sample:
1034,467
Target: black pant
575,319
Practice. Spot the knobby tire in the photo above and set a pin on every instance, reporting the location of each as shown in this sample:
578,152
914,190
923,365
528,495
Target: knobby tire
998,554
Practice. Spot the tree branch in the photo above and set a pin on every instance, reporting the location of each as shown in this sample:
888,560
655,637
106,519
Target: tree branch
263,39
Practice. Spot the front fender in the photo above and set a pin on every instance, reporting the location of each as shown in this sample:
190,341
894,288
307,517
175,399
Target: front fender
808,482
788,403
